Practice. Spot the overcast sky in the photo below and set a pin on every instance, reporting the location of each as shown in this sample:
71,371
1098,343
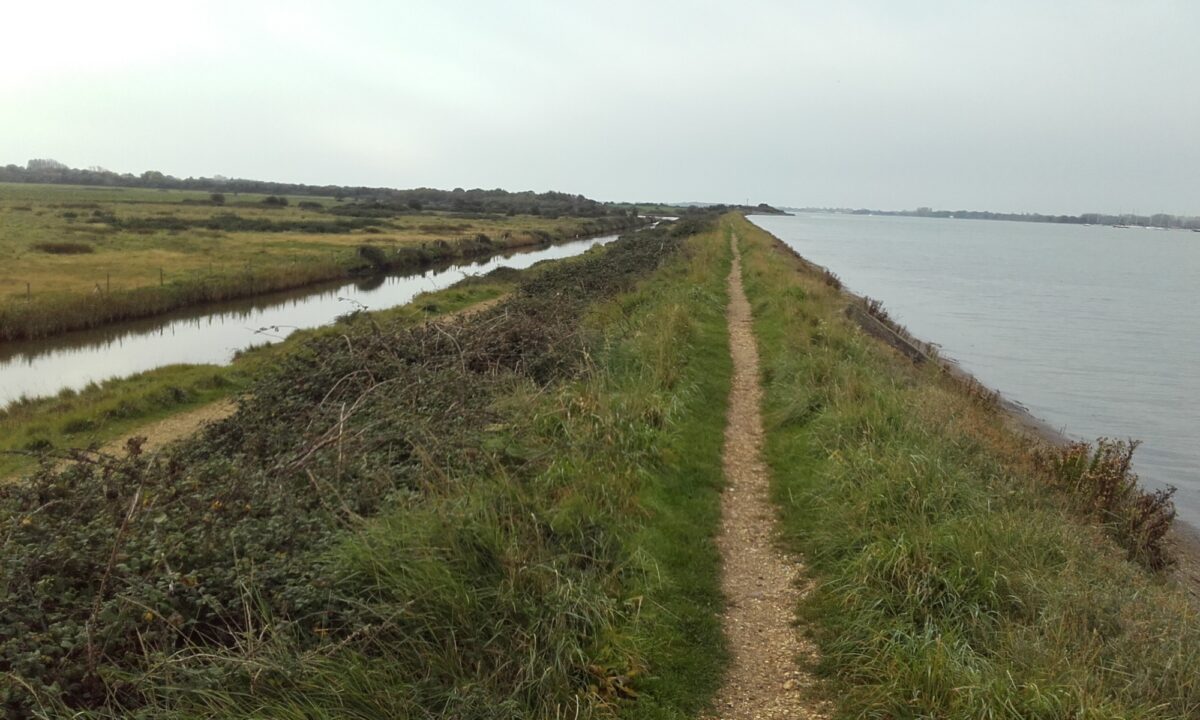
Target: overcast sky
1011,105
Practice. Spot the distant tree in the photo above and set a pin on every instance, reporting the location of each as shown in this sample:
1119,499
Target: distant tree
275,201
415,205
217,198
42,164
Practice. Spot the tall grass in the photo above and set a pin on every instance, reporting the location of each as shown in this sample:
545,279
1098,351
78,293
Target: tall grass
952,580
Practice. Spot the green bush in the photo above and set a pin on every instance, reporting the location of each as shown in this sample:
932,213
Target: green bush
64,248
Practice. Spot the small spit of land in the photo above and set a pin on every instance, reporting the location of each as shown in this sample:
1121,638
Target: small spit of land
542,509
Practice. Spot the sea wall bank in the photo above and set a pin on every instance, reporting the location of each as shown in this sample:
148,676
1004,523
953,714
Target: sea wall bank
1181,542
515,515
957,569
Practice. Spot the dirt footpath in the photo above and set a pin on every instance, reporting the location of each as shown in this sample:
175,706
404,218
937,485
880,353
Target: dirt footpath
176,427
760,582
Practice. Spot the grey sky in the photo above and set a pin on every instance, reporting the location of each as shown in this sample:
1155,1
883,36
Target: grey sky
1045,106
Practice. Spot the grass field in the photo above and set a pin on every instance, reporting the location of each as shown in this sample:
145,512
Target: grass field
74,257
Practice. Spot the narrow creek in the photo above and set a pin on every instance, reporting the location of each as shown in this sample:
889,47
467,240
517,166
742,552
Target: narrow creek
213,334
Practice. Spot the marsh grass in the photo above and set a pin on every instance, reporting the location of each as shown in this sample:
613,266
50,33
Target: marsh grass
953,580
152,252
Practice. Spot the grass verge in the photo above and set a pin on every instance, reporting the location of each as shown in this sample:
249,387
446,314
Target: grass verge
953,581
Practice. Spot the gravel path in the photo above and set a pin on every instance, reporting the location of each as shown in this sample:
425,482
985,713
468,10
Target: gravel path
760,582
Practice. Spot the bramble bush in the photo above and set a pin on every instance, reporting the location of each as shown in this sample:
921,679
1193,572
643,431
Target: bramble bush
118,572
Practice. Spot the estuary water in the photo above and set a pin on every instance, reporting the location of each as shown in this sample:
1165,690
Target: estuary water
212,334
1094,329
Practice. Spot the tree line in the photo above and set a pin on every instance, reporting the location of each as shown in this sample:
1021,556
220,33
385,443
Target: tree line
47,171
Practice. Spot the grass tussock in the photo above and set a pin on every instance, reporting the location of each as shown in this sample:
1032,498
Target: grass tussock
953,579
473,518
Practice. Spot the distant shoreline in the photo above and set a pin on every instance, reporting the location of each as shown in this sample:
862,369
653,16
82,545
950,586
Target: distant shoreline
1157,221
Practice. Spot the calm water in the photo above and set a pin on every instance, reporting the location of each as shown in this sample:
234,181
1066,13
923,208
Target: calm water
213,334
1094,329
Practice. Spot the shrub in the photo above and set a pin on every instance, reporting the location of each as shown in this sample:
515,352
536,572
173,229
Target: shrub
75,426
1102,480
377,257
64,248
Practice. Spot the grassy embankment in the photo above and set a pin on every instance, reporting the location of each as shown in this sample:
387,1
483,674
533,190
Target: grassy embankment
103,412
506,515
511,515
956,575
73,258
